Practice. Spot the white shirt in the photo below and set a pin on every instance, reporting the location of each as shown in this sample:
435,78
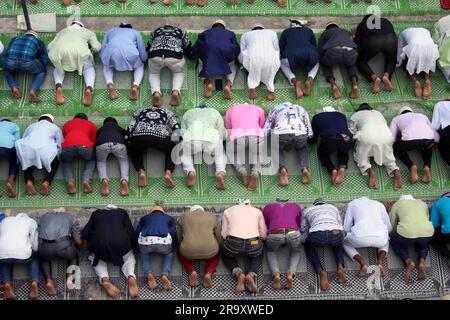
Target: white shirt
288,118
366,217
18,237
441,115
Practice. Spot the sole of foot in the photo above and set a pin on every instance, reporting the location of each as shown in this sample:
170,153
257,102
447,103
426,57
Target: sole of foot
382,271
190,180
87,188
87,98
151,281
387,84
113,95
193,279
240,285
59,96
157,100
133,290
298,89
421,271
9,292
414,176
397,181
207,281
105,188
71,188
270,96
45,189
336,92
227,92
16,92
324,283
333,177
426,175
31,190
10,190
362,271
34,97
208,90
253,94
220,182
142,180
289,282
124,192
169,180
253,183
111,289
51,290
339,177
306,177
417,89
245,179
409,270
167,285
276,282
34,291
426,93
134,93
251,284
354,93
376,85
373,184
284,179
175,99
307,88
341,276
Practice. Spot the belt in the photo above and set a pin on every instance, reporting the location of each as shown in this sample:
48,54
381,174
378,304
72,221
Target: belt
236,238
282,230
57,240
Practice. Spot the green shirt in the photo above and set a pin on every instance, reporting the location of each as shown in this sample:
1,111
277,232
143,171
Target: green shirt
203,124
410,219
441,35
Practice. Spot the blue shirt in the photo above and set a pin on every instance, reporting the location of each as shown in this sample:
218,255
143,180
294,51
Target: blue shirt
26,48
9,133
440,214
329,124
157,224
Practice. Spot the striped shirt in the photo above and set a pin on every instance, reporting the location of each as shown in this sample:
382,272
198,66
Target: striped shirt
26,48
324,217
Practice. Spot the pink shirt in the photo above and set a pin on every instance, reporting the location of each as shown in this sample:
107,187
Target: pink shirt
244,120
243,221
413,126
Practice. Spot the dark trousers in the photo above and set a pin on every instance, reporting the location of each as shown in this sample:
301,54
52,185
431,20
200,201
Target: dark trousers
402,147
138,144
236,247
10,155
318,239
373,45
28,173
440,242
6,267
444,144
336,56
400,246
329,145
64,249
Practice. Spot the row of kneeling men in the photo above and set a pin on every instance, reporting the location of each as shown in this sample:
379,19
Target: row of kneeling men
244,231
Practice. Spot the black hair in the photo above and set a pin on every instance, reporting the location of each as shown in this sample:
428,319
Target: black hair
406,111
258,28
45,118
218,25
126,25
364,106
7,120
109,119
331,25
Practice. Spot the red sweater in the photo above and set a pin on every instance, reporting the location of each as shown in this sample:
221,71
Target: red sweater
79,132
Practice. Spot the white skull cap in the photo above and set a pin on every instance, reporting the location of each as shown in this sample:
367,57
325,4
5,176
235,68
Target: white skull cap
406,197
405,108
220,21
196,207
328,109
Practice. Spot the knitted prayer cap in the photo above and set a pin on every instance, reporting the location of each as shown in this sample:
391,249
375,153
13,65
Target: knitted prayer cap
47,115
81,115
328,109
196,207
219,22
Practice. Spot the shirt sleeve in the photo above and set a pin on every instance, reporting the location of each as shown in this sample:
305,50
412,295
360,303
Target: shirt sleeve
75,230
43,53
16,133
228,119
86,232
94,43
394,128
266,215
349,218
59,138
282,42
34,235
393,217
385,217
435,215
307,123
436,121
224,231
269,121
262,118
93,133
141,47
315,130
401,44
174,126
132,124
262,227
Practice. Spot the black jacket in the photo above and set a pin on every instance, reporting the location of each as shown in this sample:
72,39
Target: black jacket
335,37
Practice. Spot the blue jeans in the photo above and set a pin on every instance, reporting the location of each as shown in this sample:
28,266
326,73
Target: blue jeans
400,246
70,153
10,155
251,249
7,264
163,249
324,238
34,67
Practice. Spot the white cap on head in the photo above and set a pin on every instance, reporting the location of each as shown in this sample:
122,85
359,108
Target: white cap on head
406,197
328,109
196,207
220,21
48,115
405,108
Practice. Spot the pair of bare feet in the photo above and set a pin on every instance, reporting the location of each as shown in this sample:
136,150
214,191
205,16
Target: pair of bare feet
174,99
248,279
68,3
251,182
299,92
113,95
194,280
201,3
220,180
151,282
337,176
354,93
165,2
87,97
373,184
10,190
114,292
276,280
32,95
420,93
233,2
142,179
31,189
71,189
11,295
284,178
363,265
421,270
124,192
415,176
323,278
107,1
254,95
208,92
376,83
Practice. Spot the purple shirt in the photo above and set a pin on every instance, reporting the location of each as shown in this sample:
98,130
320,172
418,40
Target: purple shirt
282,215
413,126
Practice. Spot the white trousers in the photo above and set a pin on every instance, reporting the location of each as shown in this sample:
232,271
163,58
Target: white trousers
229,77
352,242
289,74
129,262
212,152
138,73
88,74
156,64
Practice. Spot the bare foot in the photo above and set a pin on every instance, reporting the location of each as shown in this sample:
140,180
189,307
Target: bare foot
16,92
189,2
336,92
34,290
111,289
71,187
220,181
233,2
87,188
10,190
253,183
324,284
112,92
245,178
355,92
105,187
376,85
373,184
421,274
190,180
417,89
193,279
426,89
307,88
134,92
276,281
289,280
167,2
9,292
87,97
270,96
250,279
426,175
252,94
298,89
409,270
151,281
133,290
333,176
227,90
167,285
414,176
157,99
282,3
207,281
175,98
341,275
67,2
201,3
169,180
34,97
45,188
284,179
59,96
240,285
387,84
306,176
208,89
69,283
124,192
339,177
142,180
397,180
31,190
382,271
51,290
362,271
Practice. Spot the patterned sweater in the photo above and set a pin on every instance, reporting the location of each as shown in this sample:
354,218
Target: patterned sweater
170,42
153,121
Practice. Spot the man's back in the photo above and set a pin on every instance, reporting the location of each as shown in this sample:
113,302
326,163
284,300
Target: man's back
23,48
